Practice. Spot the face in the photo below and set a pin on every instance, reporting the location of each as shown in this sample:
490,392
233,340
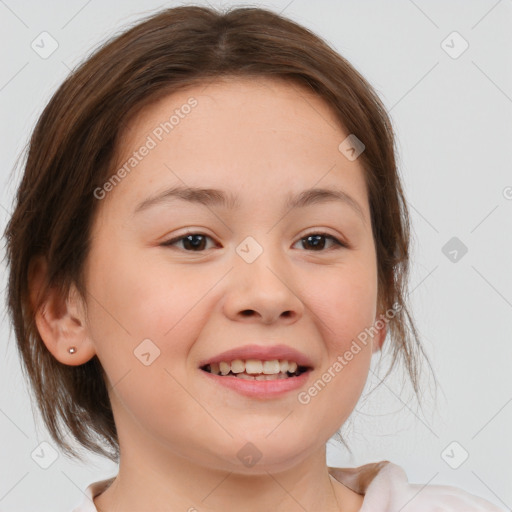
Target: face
175,283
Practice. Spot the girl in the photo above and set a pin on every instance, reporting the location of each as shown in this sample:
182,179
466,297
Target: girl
210,241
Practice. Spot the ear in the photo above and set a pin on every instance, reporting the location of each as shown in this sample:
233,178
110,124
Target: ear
380,336
60,320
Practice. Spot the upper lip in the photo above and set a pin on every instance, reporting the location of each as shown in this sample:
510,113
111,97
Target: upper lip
262,353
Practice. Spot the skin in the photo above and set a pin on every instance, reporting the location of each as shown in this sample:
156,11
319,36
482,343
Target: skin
179,433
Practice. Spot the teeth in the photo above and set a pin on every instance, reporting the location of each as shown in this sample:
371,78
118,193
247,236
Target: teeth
237,366
225,368
271,367
253,366
244,376
276,376
255,369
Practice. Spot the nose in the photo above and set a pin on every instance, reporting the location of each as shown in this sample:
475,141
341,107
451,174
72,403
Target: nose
262,292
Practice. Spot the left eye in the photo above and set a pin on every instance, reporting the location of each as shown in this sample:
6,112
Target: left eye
315,240
195,242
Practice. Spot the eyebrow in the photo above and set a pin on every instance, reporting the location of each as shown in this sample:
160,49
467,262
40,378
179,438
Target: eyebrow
214,197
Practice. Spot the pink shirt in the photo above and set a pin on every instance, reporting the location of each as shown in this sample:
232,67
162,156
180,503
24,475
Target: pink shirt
385,489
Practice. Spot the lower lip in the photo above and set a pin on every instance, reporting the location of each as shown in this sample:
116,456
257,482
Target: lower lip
260,388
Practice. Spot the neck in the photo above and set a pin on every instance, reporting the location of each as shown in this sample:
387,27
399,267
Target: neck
156,475
170,482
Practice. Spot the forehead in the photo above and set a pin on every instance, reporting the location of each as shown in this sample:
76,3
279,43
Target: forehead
251,93
231,110
255,136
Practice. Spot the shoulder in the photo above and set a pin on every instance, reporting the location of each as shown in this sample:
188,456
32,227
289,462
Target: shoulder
391,481
386,488
93,490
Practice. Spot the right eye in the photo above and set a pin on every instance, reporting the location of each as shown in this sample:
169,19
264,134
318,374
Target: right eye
192,242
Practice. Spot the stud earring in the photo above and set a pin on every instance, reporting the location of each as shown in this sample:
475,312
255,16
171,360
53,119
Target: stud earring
72,350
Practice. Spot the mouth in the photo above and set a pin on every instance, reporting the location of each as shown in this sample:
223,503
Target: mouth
256,369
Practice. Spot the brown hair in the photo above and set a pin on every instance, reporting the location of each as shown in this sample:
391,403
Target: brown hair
72,152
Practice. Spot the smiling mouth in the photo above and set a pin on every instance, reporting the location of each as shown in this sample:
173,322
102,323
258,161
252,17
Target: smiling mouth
253,369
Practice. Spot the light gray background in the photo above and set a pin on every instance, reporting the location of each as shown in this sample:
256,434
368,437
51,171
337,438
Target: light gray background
453,118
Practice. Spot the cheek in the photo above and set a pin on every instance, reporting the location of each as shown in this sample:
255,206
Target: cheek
344,302
136,300
133,299
344,307
139,295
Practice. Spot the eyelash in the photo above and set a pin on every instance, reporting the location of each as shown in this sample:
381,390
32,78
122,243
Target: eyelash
336,241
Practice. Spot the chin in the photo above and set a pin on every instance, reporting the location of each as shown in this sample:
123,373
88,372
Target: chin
260,455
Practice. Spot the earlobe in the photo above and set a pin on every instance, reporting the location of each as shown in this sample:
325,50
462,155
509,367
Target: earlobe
59,320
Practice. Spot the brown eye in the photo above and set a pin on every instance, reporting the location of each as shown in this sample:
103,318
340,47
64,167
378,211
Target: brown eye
196,242
317,241
193,242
